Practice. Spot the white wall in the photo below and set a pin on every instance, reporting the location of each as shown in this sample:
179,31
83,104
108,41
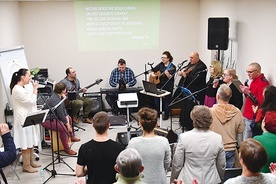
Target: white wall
10,36
50,39
256,28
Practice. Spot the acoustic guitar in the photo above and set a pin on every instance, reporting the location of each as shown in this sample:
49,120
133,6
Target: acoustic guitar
156,79
72,95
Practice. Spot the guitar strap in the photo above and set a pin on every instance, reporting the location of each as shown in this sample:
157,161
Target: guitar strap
169,66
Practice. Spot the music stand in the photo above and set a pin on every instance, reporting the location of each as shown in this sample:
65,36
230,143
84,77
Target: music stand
53,171
127,100
35,118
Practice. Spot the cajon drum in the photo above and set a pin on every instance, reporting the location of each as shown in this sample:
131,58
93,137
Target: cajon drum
55,147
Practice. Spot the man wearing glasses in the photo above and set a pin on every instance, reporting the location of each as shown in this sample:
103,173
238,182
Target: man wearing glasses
254,95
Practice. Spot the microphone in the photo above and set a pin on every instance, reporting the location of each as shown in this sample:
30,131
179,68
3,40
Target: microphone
246,82
217,80
202,71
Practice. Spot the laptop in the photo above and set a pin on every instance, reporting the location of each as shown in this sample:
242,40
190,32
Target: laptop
151,88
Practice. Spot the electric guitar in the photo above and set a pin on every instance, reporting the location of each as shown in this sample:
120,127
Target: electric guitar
72,95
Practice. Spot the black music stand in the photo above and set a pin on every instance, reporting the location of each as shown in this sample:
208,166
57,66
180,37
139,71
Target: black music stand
58,158
35,118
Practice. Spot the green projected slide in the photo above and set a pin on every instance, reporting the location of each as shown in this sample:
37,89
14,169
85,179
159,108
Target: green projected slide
117,24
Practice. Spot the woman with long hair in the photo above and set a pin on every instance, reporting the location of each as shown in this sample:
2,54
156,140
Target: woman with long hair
228,75
268,104
23,103
213,83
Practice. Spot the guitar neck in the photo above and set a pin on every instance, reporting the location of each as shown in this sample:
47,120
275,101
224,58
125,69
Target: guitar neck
87,87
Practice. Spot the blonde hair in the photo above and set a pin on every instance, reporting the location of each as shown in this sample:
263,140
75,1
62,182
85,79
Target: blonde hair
232,72
217,69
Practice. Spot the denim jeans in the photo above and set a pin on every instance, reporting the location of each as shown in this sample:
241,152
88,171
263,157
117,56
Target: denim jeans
247,132
230,158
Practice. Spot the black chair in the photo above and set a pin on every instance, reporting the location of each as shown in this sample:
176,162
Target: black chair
232,173
3,176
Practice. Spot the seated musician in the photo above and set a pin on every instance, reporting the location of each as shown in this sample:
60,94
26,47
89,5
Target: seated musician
121,74
163,77
73,85
64,121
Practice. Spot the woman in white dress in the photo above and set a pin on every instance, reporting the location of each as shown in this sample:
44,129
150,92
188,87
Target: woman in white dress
23,103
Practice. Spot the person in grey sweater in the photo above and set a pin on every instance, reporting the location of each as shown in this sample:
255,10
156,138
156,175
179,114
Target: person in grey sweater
154,149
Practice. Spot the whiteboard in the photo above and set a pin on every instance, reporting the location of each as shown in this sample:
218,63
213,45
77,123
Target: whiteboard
11,60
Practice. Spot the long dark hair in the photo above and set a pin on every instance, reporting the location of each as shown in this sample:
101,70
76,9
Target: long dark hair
17,77
269,103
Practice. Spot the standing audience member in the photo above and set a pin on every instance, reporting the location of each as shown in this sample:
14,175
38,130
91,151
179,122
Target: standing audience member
73,85
121,73
193,77
268,104
164,77
268,139
8,156
228,122
97,157
252,158
237,98
213,83
154,149
199,153
129,167
23,103
253,94
64,122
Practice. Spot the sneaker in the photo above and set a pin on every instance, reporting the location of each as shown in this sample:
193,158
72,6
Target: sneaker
75,119
86,120
75,139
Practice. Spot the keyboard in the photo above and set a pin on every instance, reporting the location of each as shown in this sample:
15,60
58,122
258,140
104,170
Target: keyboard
116,90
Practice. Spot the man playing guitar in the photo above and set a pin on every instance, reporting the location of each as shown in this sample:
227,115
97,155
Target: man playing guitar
73,85
193,77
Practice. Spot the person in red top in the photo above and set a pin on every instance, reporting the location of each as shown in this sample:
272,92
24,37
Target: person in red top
254,95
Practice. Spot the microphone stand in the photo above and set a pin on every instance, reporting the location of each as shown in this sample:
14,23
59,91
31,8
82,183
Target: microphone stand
179,68
146,72
53,171
191,95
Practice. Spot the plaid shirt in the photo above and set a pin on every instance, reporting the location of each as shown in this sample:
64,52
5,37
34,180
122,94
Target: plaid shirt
128,75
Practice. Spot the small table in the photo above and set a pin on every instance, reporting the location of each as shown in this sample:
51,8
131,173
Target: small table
160,97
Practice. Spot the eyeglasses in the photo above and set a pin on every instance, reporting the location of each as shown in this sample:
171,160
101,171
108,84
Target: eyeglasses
225,74
250,71
163,57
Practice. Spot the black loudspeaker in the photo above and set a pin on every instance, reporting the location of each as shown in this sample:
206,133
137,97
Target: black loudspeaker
97,102
218,33
122,137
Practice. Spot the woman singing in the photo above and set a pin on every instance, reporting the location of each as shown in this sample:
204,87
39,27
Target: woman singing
23,103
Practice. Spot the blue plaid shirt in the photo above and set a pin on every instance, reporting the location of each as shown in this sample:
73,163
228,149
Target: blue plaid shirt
128,75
